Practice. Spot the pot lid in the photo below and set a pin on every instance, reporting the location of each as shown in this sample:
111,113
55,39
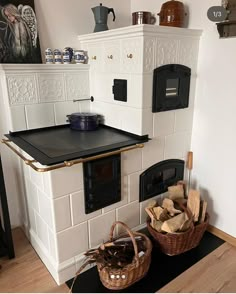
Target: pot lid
84,114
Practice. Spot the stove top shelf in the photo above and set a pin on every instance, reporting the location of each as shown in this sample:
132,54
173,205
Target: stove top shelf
59,145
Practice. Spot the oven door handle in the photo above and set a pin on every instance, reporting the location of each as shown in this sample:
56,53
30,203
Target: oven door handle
32,163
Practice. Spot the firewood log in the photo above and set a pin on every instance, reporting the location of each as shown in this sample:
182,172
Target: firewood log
176,192
193,203
187,223
164,215
203,208
169,205
157,225
184,185
173,225
158,211
151,203
148,211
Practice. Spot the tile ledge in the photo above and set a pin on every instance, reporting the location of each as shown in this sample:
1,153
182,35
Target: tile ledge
14,68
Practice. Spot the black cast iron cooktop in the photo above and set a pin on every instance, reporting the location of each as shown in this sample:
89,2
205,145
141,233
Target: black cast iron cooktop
56,144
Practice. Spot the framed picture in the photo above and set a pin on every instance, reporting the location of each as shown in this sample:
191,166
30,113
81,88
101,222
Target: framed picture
19,39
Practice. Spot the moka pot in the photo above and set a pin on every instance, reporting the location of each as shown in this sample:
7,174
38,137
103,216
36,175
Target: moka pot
100,16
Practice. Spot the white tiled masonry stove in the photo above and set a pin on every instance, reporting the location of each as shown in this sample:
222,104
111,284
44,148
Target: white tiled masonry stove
41,95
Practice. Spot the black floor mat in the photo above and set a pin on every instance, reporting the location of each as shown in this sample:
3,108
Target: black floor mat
163,269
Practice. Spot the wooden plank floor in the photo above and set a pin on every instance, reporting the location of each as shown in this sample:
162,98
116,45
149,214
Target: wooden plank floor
27,274
216,273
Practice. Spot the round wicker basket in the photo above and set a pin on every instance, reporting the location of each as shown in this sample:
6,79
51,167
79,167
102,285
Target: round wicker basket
115,279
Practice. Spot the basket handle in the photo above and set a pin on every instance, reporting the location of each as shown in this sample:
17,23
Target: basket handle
131,234
78,273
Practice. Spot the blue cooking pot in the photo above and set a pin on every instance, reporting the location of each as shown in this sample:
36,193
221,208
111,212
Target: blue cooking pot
83,121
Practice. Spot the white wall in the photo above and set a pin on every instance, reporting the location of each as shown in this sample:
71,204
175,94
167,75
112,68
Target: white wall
61,21
213,139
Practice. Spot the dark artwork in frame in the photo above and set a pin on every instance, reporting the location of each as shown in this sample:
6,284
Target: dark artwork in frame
19,38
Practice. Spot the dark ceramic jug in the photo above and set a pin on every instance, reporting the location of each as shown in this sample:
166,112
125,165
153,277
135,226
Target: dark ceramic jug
172,14
100,16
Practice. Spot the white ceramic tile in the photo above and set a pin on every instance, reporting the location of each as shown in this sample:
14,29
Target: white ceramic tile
153,152
103,87
62,213
51,87
99,228
36,178
101,108
67,180
45,208
183,120
112,114
62,109
133,184
132,46
26,170
131,161
111,48
40,115
192,93
32,195
164,123
42,231
148,53
52,245
72,242
23,213
78,209
47,185
147,90
32,221
176,145
67,274
135,91
84,106
144,204
188,53
129,214
124,196
147,122
167,51
18,118
77,85
22,88
132,120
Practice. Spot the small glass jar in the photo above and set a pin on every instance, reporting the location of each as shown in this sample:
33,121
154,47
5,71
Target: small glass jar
57,56
67,55
49,56
80,56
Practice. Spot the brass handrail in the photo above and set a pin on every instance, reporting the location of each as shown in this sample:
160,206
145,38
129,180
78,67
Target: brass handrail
66,163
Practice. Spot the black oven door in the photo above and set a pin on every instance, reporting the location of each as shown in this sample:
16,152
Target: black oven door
102,182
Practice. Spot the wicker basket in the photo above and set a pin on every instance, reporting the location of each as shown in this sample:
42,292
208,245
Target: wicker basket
115,279
177,243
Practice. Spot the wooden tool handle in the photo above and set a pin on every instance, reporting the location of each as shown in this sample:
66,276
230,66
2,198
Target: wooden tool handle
190,160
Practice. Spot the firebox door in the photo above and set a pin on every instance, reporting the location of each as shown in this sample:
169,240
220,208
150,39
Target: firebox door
171,86
156,179
102,182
